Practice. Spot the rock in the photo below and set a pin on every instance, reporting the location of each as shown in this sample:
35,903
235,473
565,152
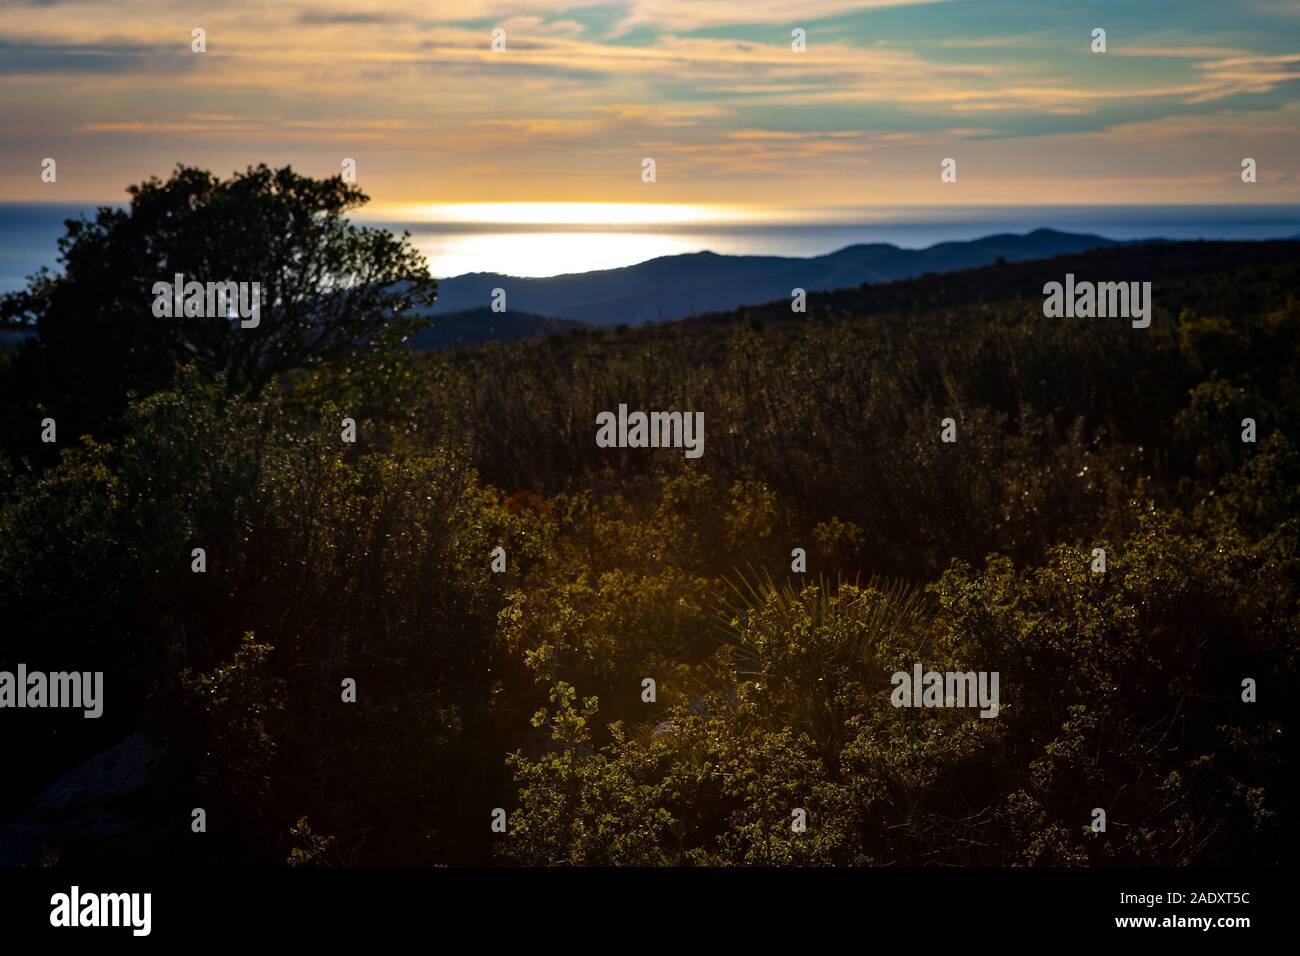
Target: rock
663,729
111,775
23,843
94,829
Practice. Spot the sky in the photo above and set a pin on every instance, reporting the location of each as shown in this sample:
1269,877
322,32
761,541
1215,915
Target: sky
736,120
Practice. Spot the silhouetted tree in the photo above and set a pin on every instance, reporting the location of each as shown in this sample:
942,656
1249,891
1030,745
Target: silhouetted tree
329,289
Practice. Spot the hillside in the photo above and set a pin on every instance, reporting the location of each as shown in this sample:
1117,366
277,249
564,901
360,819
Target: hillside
1171,266
1184,274
917,475
477,326
673,287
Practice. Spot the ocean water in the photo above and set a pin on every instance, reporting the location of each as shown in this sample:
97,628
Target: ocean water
29,235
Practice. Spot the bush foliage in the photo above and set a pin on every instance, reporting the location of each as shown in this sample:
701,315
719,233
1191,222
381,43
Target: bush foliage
523,690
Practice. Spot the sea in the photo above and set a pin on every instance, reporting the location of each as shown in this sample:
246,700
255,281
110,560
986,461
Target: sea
29,234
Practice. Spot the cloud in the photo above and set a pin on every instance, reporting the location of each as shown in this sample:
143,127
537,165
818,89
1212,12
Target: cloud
997,43
540,126
347,17
684,15
1245,74
587,86
1175,52
20,58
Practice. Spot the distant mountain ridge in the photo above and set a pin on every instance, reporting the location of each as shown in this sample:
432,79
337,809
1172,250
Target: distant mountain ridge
1173,265
675,287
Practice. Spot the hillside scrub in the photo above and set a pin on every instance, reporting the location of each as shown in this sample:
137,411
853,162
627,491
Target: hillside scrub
523,689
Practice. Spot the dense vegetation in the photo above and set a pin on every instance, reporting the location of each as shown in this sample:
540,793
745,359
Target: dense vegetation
523,689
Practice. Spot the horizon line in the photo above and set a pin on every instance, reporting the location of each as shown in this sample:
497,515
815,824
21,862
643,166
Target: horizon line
656,217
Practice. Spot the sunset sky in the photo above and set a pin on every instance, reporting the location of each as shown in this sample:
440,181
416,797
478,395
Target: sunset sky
710,89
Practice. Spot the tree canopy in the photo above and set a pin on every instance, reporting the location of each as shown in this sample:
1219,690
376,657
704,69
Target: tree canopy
330,289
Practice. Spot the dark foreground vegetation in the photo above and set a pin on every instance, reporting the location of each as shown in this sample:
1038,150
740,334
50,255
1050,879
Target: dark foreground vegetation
523,690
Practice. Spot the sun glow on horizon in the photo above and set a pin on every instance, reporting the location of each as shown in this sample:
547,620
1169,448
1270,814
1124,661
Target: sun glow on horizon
570,213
